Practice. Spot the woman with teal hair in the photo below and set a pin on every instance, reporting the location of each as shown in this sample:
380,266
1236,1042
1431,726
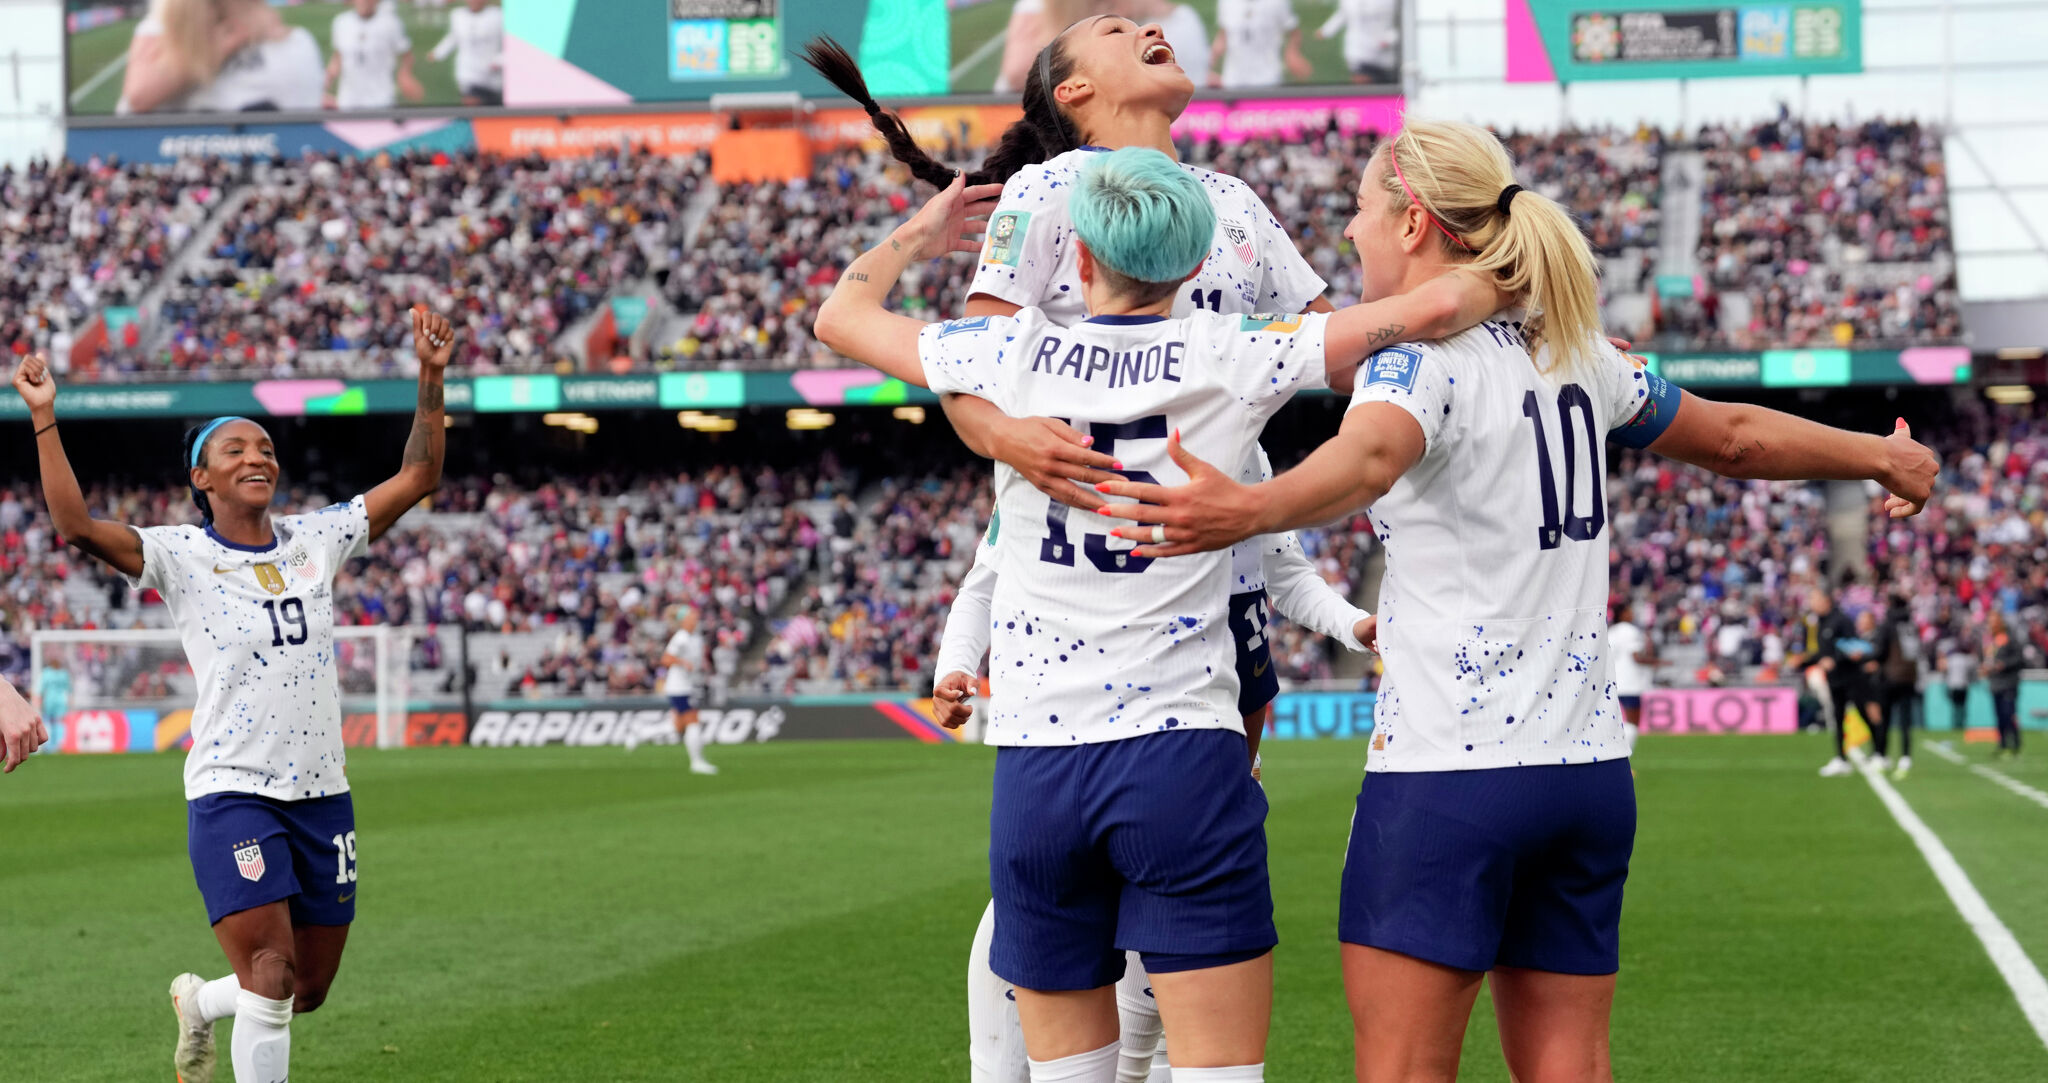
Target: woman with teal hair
270,823
1124,818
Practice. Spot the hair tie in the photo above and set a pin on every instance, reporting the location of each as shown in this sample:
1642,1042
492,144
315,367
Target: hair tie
1507,196
873,107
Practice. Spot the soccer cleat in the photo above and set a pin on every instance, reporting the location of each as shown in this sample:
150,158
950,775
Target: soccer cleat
193,1059
703,769
1836,768
1905,765
1878,761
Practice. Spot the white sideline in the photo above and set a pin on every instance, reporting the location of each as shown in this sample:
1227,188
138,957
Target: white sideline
2020,973
977,56
1995,775
113,68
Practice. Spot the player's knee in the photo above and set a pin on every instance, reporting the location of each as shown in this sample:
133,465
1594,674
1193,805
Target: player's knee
307,996
271,974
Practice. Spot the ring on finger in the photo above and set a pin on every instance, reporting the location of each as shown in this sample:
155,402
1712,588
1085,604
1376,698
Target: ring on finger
1158,535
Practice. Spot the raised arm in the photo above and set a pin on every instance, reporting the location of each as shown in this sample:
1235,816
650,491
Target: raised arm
419,473
1737,440
1437,309
115,543
854,320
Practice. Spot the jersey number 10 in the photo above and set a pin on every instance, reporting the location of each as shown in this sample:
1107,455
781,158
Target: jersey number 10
1558,526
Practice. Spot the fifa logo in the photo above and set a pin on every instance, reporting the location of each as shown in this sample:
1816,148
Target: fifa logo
269,578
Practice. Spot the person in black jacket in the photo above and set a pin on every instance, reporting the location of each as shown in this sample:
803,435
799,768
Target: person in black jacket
1822,631
2002,664
1902,673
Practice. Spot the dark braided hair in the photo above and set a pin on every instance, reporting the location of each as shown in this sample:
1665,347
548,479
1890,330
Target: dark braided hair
1044,133
198,498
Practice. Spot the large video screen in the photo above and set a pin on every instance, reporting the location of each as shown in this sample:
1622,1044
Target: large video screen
1224,45
237,56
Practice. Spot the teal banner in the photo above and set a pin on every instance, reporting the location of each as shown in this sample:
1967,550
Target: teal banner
1567,41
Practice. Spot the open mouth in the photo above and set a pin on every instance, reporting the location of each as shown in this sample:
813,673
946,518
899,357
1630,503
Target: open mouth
253,479
1157,53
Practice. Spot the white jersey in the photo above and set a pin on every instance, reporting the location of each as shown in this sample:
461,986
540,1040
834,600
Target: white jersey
1493,611
477,38
1624,641
1030,260
688,650
258,628
268,75
369,50
1370,29
1255,31
1088,647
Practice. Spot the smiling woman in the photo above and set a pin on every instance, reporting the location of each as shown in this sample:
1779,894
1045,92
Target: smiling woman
252,597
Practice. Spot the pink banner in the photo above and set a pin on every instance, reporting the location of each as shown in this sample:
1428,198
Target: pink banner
1528,60
1286,118
1721,710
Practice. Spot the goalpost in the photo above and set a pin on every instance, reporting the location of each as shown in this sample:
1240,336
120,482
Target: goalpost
144,670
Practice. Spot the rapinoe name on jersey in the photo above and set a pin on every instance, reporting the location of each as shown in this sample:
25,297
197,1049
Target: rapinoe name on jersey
1124,368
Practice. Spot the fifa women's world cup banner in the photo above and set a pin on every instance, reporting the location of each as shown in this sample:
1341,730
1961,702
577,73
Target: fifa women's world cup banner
1565,41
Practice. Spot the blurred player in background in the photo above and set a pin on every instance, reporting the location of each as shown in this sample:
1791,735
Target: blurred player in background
219,56
1258,43
1372,38
476,36
51,690
1635,661
1902,671
2003,661
270,822
21,732
1818,654
1493,832
684,657
371,62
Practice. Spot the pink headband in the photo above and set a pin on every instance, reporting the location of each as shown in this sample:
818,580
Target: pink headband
1395,161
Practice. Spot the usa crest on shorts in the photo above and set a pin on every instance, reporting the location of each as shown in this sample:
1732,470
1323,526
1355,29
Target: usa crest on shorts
249,859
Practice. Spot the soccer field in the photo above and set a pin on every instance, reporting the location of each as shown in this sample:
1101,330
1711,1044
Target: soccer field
99,55
571,914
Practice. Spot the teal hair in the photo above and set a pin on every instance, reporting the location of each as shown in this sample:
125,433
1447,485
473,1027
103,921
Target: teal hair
1142,215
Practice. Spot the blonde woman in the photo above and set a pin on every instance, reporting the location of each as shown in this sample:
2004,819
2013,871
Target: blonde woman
219,56
1493,831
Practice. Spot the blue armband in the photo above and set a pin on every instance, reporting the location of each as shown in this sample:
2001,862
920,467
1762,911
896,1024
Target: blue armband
1656,410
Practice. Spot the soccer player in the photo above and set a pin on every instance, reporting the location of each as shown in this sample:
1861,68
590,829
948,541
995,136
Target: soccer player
271,827
1115,699
1372,38
476,37
1258,43
50,692
372,59
684,657
1635,659
219,56
21,731
1494,827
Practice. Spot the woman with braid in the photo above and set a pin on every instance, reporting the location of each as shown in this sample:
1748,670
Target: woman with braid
271,829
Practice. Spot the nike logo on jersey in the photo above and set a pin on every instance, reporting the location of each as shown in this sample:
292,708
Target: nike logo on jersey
346,897
218,570
1260,669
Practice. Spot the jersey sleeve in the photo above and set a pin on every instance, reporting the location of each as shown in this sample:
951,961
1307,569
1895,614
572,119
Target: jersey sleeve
968,356
1415,376
1026,237
967,632
160,551
1642,404
1288,284
1266,359
1304,597
338,531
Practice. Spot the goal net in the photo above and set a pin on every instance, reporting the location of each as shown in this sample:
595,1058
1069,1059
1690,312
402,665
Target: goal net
131,690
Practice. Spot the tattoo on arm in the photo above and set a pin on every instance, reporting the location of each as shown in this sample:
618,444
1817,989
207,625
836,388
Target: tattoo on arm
1385,334
419,447
856,276
895,245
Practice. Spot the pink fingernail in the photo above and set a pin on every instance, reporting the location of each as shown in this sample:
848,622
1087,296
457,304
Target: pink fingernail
1115,465
1102,486
1087,441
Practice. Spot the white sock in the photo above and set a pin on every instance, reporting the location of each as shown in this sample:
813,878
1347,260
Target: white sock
1096,1067
693,742
1242,1073
1633,730
1162,1068
216,999
262,1045
1138,1015
995,1039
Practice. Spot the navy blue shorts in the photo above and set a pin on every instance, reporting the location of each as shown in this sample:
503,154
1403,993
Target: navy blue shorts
680,704
1257,684
248,851
1154,844
1631,703
1516,866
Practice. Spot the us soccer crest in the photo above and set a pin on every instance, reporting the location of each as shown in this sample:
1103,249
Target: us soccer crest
269,578
301,564
249,859
1240,241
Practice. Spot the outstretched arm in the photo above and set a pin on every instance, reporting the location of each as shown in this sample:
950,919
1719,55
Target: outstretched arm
1439,308
1737,440
116,543
419,473
854,321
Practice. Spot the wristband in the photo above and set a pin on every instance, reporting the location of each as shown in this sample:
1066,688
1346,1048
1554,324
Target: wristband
44,429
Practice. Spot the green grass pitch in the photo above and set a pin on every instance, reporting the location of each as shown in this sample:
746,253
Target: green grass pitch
974,27
93,50
603,915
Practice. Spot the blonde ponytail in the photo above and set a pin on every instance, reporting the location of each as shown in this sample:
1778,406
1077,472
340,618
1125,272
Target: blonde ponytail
1459,174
